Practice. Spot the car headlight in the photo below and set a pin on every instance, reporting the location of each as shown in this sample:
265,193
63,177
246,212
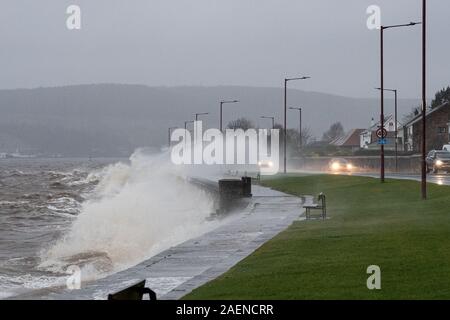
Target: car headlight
349,166
270,164
259,163
439,163
335,166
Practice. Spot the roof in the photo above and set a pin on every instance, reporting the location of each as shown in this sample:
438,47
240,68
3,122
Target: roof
351,139
430,111
375,126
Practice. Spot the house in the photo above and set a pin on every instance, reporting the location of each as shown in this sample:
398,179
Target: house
438,128
349,141
369,139
389,146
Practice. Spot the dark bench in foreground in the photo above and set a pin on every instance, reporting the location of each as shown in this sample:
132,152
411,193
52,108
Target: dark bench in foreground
320,205
135,292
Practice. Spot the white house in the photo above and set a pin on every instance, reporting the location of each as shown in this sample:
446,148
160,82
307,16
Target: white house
369,138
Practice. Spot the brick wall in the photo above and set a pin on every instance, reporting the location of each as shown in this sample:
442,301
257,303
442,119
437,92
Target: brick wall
437,130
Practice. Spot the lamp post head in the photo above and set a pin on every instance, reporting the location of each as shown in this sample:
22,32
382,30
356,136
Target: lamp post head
400,25
392,90
299,78
229,101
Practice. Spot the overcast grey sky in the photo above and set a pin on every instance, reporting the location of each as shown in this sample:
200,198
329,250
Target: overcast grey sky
221,42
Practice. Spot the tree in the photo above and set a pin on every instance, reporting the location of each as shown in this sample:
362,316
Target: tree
441,97
241,123
307,136
293,138
336,130
411,115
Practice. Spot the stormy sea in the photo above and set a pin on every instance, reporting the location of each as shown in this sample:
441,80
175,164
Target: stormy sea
100,215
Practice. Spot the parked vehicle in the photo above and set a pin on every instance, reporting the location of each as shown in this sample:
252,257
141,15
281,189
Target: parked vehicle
438,160
340,165
446,147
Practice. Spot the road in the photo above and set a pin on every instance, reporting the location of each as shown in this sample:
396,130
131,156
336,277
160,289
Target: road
440,179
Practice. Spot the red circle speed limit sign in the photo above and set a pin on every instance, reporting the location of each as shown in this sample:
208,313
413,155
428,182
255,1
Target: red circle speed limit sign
382,133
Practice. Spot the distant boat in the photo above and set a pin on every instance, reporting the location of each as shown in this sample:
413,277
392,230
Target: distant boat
16,154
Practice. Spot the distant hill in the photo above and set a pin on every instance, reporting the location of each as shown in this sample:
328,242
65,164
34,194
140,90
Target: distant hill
114,119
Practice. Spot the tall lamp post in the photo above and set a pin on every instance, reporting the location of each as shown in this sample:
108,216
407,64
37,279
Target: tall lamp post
285,116
396,124
186,123
300,126
273,120
185,129
200,114
221,111
424,98
170,132
382,28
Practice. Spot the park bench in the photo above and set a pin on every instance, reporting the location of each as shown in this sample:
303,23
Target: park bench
134,292
320,205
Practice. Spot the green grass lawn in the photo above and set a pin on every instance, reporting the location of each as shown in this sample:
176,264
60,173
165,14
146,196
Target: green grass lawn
371,224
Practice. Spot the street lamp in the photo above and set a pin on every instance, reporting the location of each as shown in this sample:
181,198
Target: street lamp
424,98
186,123
273,120
185,129
170,131
300,126
285,114
396,126
221,111
200,114
382,28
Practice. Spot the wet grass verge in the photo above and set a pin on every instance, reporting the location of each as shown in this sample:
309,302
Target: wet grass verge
370,224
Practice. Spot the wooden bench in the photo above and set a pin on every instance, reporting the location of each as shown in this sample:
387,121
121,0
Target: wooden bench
135,292
320,205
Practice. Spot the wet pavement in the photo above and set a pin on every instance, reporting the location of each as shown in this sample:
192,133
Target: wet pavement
175,272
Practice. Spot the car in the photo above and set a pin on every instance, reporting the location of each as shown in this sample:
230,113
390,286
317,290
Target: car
265,164
446,147
340,165
438,160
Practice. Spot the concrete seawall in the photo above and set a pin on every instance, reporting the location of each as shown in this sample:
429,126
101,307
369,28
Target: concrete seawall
180,269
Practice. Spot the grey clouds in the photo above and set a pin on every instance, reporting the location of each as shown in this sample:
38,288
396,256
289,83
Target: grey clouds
220,42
